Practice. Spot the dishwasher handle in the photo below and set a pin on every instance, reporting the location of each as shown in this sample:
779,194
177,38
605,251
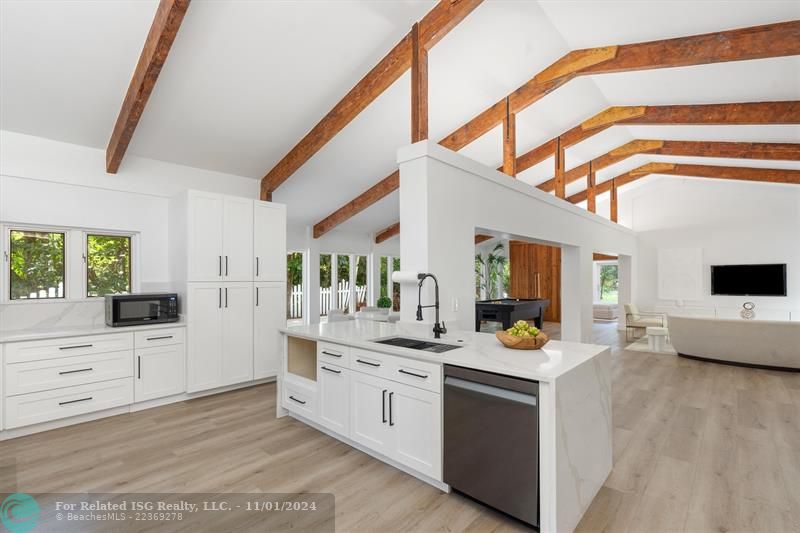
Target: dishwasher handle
488,390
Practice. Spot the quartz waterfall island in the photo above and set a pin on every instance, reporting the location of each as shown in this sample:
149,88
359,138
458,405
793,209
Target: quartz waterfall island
387,401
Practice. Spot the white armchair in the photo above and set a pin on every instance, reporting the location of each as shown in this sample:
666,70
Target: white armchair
641,320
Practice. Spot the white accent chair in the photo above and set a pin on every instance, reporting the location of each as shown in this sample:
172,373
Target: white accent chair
760,343
636,320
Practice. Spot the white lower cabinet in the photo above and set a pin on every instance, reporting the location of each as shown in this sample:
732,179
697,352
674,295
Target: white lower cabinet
159,372
396,420
220,334
333,391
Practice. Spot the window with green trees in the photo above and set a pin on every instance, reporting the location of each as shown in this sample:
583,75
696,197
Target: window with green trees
361,281
36,264
108,265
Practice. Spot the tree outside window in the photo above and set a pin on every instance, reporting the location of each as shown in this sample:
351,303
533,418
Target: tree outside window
609,283
395,286
108,265
37,265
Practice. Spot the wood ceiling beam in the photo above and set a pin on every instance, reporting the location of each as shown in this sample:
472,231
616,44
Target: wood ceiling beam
419,87
758,42
432,28
168,18
387,233
762,175
749,113
479,238
380,190
591,192
509,142
733,150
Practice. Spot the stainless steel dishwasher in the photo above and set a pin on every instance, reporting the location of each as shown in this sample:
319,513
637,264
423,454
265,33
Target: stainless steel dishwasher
491,440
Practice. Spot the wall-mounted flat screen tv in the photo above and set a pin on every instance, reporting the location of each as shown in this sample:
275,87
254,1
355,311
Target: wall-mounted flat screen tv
749,280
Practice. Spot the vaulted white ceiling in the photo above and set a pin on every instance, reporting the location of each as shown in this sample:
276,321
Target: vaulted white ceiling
245,80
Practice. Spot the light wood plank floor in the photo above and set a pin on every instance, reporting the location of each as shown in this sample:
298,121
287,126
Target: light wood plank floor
697,446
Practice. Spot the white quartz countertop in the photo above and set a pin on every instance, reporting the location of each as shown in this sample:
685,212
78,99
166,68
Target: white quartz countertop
480,351
20,335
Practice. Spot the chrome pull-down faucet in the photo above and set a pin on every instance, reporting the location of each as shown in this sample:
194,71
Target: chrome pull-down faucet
438,328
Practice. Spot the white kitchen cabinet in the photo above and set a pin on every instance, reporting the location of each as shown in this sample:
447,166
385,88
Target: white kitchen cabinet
237,239
204,309
269,241
416,421
237,333
399,421
159,372
333,394
204,259
269,313
220,334
369,419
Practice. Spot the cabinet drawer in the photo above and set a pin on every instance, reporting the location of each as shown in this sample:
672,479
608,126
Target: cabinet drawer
333,353
299,398
158,337
38,407
419,374
370,362
36,376
18,352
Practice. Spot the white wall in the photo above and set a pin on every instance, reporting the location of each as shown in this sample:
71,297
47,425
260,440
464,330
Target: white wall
46,182
445,197
733,223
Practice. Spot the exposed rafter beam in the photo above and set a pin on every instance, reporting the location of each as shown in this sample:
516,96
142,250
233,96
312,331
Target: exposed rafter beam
509,142
432,28
763,175
419,87
387,233
758,42
734,150
166,23
591,192
782,112
479,238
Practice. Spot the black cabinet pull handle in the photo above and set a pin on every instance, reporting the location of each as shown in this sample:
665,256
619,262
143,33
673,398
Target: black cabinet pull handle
76,346
226,296
367,363
383,405
226,265
74,371
332,354
391,419
220,265
256,265
220,297
256,296
298,401
160,338
331,370
139,365
75,401
413,374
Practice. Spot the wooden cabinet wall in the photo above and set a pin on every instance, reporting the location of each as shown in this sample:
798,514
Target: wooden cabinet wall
536,273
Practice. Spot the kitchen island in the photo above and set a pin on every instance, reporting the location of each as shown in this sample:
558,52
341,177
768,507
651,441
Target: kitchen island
337,378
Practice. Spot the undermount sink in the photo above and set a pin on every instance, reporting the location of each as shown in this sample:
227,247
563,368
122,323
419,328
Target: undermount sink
417,344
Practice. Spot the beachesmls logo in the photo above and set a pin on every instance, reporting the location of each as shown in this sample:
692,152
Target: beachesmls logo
19,512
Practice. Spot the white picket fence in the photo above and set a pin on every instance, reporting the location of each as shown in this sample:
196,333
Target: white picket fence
295,303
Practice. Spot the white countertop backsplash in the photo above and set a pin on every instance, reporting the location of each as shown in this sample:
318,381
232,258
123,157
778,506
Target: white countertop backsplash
481,351
33,334
51,314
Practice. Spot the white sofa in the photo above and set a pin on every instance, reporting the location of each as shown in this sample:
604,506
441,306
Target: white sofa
759,343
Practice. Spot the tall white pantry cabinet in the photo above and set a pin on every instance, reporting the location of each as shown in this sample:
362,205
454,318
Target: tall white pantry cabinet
228,256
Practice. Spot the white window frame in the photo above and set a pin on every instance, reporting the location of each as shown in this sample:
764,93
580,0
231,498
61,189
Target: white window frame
75,264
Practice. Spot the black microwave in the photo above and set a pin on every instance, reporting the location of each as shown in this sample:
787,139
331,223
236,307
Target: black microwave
139,309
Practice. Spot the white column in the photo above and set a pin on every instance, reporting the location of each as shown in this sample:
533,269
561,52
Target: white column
373,278
576,294
627,286
334,281
311,280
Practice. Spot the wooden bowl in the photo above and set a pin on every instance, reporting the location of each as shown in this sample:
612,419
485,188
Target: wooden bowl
522,343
